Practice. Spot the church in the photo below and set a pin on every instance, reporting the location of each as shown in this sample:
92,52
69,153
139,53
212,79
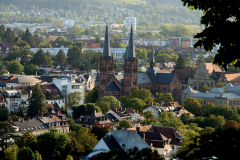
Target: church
116,84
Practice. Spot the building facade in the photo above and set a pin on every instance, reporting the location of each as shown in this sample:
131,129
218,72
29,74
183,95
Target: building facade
118,85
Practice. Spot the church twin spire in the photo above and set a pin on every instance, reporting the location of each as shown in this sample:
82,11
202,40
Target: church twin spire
106,47
131,47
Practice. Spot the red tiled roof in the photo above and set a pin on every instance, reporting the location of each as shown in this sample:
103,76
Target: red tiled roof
50,89
182,73
210,67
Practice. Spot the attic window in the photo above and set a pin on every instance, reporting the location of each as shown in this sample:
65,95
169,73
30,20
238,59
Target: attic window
123,145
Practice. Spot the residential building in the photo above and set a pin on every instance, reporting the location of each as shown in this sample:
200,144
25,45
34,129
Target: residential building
53,51
66,87
119,140
131,21
90,120
5,48
169,133
117,52
22,81
121,84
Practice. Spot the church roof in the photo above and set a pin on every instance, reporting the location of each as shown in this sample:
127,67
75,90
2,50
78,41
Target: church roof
112,87
106,47
210,67
131,48
165,78
229,85
144,78
234,88
152,57
217,90
214,95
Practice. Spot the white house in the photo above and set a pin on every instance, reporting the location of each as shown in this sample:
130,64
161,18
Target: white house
117,52
53,51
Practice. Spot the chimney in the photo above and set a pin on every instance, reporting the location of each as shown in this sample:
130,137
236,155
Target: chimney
144,136
10,119
137,111
137,129
152,103
28,119
120,108
115,109
95,112
58,113
22,119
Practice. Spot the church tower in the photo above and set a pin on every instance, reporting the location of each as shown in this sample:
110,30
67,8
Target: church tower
106,62
131,64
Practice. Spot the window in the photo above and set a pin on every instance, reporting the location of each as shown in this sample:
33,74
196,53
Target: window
75,86
66,130
63,130
123,145
173,147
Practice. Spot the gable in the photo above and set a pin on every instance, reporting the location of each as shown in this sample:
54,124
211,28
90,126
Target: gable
165,78
112,87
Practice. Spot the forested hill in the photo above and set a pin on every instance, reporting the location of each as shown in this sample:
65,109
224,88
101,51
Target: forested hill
74,4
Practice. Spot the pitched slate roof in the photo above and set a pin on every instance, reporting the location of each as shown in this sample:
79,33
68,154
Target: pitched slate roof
182,73
188,90
214,95
28,124
217,90
165,78
229,85
144,78
234,88
112,87
111,143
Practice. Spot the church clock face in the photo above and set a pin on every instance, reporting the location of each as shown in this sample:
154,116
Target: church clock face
174,94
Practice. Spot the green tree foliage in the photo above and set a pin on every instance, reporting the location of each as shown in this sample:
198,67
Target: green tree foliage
230,124
185,117
17,52
25,153
169,119
123,99
27,36
4,113
97,39
180,63
112,101
141,53
205,88
61,38
100,131
37,156
193,105
174,30
142,94
91,96
2,30
9,36
15,67
219,86
164,98
16,118
74,98
40,58
150,118
222,110
208,105
69,157
37,101
74,56
161,58
11,152
22,44
227,17
134,103
140,70
20,113
85,109
124,124
52,145
211,121
92,58
30,69
60,57
105,107
212,145
26,140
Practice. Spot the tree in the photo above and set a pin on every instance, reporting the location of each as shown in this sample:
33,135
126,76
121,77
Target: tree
27,36
212,145
205,88
100,131
185,117
9,36
164,98
169,119
15,67
37,156
74,98
112,101
104,106
30,69
193,105
4,113
61,38
91,96
69,157
37,101
16,118
22,44
61,57
149,116
230,124
219,86
217,15
208,105
222,110
11,152
25,153
85,109
180,63
52,145
24,60
20,113
123,99
39,58
140,70
74,56
134,103
124,124
2,30
97,39
142,94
